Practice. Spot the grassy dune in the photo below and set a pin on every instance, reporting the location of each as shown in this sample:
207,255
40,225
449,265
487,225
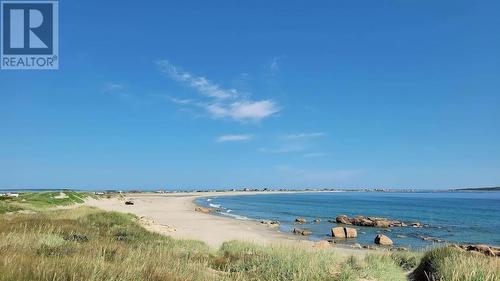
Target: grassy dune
89,244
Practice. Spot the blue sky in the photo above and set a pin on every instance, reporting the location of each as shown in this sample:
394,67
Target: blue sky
264,93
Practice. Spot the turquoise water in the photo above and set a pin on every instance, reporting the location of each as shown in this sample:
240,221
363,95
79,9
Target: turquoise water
465,217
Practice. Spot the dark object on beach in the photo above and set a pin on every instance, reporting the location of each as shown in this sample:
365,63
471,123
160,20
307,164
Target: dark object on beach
344,232
270,223
76,238
303,232
129,203
381,239
300,220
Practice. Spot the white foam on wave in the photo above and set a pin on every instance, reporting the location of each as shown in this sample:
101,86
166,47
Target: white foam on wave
208,200
238,217
214,205
229,211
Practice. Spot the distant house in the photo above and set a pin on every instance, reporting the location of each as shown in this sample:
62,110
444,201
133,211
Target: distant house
99,193
12,194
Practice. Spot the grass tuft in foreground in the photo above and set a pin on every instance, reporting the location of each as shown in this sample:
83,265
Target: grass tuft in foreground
451,264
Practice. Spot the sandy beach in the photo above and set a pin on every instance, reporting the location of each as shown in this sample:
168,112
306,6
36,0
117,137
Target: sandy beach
174,215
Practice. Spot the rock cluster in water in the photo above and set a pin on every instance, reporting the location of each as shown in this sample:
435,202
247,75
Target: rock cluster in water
373,222
344,232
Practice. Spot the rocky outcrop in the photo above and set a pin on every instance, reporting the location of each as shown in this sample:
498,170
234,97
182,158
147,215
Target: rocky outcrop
300,220
203,210
372,222
483,249
344,232
303,232
317,221
343,219
381,239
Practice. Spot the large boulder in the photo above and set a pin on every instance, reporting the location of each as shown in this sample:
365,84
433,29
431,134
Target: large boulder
381,239
300,220
343,219
338,232
350,232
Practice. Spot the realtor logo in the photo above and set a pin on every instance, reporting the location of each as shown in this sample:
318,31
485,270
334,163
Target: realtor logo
29,35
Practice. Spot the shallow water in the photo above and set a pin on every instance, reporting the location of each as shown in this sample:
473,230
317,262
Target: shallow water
464,217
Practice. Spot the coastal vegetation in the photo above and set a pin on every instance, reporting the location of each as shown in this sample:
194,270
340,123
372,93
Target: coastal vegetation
84,243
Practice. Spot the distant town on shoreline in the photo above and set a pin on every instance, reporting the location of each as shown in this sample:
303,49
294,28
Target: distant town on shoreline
6,192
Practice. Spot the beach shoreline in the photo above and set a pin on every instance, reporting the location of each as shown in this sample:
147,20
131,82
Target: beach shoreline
174,215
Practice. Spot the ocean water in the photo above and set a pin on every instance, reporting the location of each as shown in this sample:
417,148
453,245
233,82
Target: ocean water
464,217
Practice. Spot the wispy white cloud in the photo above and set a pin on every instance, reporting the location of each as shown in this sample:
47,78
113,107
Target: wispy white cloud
234,138
221,103
313,154
243,110
275,64
199,83
299,142
284,148
112,87
303,136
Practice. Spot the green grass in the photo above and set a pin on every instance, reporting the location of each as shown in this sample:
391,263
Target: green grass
90,244
44,200
6,207
451,264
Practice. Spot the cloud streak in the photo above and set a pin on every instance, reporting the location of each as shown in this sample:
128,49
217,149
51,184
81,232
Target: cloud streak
233,138
303,136
218,102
